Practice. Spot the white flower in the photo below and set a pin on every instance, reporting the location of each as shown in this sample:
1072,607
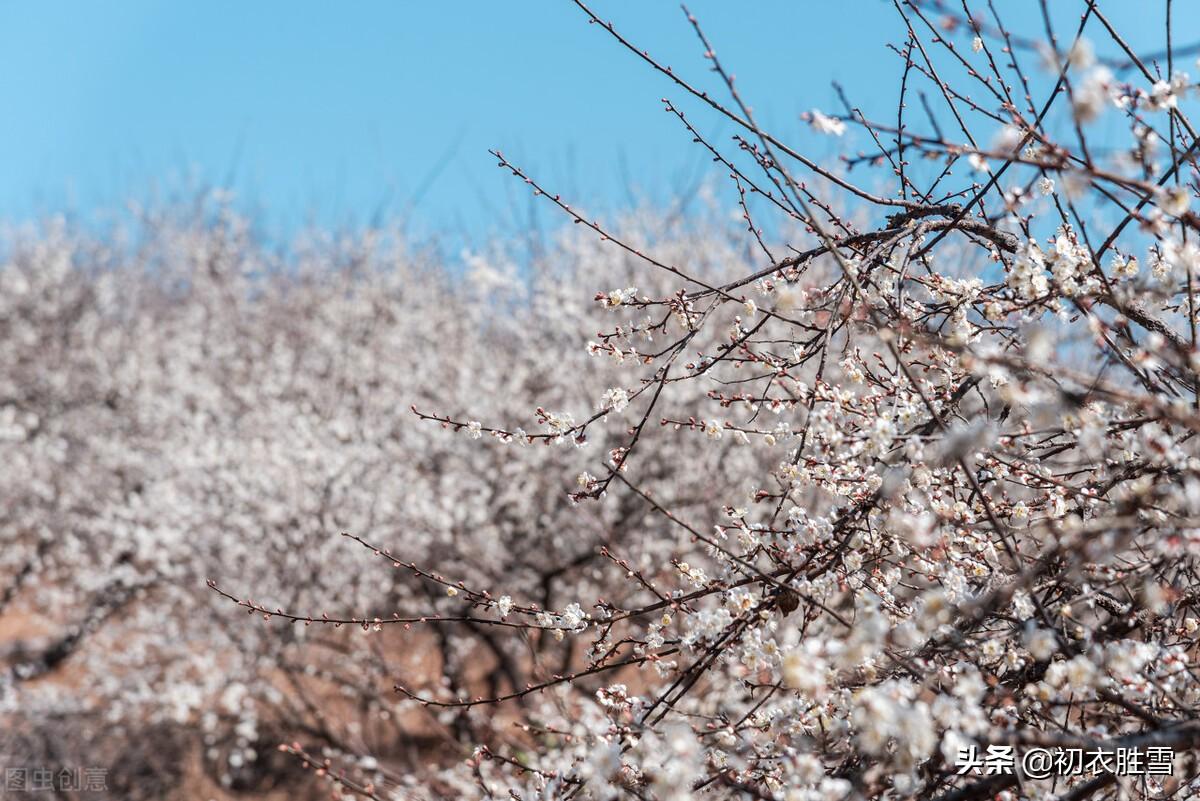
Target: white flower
804,669
1162,96
560,423
1123,267
573,617
1041,643
1082,54
1176,201
1096,90
475,429
1160,266
1046,186
888,713
977,44
1184,255
1081,674
826,125
504,605
617,297
616,399
1028,275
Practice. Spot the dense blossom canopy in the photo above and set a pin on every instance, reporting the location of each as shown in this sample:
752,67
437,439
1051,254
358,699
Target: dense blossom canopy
196,409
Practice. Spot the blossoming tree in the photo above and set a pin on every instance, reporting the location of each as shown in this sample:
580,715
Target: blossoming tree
893,495
974,520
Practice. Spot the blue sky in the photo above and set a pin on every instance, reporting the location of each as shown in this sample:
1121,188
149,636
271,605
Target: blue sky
335,112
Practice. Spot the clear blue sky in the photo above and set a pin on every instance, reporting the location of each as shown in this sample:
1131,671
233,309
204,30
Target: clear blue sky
333,111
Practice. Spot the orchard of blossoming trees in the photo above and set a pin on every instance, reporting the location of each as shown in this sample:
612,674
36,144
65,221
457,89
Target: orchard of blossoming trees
893,492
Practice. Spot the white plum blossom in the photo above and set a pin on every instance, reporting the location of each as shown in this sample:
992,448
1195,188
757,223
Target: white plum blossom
826,124
616,399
